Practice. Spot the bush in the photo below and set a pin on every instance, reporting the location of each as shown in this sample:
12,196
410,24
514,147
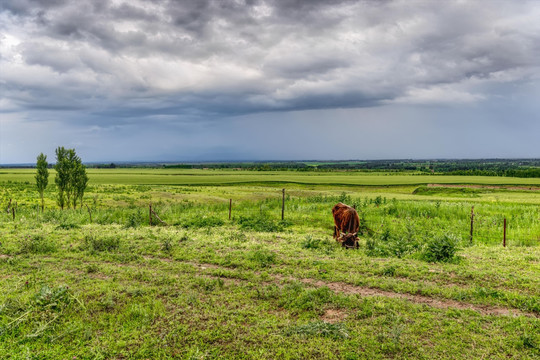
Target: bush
441,248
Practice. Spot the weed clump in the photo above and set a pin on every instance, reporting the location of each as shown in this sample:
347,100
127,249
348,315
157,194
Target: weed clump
262,257
104,243
36,316
36,244
167,245
135,219
388,244
320,328
67,226
313,243
53,298
202,221
297,298
261,223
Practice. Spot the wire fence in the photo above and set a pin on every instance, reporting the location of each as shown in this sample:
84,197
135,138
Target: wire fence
381,214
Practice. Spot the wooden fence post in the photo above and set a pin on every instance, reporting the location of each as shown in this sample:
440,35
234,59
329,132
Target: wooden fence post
89,212
13,212
283,206
150,215
504,233
230,208
472,224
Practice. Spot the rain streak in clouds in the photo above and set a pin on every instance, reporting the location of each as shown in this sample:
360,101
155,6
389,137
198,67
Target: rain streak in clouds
218,80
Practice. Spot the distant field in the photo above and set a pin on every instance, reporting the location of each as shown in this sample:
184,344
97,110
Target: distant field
213,177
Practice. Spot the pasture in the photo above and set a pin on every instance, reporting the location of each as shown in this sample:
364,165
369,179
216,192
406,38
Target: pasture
101,283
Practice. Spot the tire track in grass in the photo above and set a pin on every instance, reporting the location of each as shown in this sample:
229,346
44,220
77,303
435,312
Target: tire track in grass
344,288
339,287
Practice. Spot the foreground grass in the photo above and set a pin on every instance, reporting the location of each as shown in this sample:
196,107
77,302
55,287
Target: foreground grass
206,287
224,293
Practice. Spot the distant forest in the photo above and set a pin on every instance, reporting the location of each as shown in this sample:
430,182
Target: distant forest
525,168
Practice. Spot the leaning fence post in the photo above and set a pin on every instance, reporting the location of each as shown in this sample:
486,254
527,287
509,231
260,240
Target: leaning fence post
230,208
472,224
504,233
283,206
150,215
89,212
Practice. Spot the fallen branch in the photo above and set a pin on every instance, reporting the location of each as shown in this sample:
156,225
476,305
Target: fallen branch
157,217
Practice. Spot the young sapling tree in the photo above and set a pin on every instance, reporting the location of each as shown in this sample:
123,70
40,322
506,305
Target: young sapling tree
42,177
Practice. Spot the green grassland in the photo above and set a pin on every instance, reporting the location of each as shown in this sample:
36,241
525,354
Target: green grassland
215,177
255,287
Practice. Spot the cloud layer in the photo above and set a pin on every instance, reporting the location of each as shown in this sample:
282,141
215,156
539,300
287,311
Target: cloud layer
116,63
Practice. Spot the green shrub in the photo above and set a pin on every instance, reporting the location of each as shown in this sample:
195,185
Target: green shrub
441,248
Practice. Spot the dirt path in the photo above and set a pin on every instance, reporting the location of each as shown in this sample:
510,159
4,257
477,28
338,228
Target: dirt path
417,299
340,287
344,288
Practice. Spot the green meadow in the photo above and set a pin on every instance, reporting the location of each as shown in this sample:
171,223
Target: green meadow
100,282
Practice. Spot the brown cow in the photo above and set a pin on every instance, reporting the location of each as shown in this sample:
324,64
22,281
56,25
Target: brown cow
346,226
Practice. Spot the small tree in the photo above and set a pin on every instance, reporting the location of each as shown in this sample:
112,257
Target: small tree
42,177
80,181
71,178
62,175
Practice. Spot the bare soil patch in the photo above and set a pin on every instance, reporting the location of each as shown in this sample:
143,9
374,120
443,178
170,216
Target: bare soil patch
333,316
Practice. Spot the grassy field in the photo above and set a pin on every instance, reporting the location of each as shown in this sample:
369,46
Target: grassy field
220,177
254,287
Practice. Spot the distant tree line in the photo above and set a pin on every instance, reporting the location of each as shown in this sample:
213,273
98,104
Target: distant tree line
483,167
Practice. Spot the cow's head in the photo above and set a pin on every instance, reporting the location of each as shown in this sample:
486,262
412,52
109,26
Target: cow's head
348,240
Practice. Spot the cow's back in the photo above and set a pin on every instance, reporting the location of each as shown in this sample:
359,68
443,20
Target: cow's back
345,218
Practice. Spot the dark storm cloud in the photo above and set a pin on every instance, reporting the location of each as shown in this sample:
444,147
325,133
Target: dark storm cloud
267,56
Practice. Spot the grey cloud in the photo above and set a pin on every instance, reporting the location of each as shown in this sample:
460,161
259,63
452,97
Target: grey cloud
222,58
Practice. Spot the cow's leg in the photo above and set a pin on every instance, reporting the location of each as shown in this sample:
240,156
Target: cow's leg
335,232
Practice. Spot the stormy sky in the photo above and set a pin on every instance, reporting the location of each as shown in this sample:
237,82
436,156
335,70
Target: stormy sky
166,80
